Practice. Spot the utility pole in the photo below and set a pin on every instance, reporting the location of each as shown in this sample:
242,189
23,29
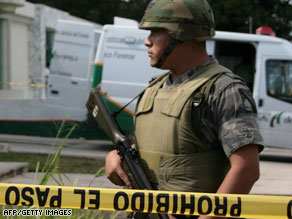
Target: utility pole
250,22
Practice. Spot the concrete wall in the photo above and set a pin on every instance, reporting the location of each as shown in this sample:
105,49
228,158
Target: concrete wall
19,67
15,28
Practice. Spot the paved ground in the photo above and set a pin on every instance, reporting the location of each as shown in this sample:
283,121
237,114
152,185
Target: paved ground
40,145
276,176
276,179
83,180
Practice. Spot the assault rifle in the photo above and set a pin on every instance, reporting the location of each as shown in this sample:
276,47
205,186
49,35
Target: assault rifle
129,156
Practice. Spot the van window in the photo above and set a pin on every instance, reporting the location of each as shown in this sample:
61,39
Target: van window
239,57
279,79
50,34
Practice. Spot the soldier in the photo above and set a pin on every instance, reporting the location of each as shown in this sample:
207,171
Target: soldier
195,126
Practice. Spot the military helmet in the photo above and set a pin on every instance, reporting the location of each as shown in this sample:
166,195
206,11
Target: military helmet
184,20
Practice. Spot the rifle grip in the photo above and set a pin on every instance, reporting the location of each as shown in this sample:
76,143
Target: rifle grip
129,174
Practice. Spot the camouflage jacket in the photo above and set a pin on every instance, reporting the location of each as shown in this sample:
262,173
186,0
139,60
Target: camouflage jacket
229,119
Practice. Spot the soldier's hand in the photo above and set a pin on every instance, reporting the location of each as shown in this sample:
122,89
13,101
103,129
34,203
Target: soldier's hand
114,170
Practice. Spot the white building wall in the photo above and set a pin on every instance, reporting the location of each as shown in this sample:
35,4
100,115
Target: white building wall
15,72
19,58
5,44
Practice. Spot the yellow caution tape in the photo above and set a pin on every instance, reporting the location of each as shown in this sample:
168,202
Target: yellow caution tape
20,84
66,197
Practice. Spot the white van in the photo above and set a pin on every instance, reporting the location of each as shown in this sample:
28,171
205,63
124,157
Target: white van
69,79
123,70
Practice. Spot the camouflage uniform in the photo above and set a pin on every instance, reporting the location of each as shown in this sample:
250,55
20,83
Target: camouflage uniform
229,119
187,20
227,122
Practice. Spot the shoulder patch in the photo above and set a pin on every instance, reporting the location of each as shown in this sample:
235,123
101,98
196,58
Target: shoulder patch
248,102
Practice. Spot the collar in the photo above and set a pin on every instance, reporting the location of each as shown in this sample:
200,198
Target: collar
170,83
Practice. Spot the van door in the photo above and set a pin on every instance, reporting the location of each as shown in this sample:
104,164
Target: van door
275,100
241,60
69,80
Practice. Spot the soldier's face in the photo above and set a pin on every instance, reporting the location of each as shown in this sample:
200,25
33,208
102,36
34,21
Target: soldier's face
156,42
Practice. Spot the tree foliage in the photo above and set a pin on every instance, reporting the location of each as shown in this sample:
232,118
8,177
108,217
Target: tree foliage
246,16
99,11
230,15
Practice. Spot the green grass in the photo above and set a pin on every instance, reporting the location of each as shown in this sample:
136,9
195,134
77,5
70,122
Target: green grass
66,164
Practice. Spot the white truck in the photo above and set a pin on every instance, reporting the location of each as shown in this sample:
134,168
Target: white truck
122,70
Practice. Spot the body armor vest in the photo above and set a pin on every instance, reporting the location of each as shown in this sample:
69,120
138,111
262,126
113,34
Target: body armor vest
168,135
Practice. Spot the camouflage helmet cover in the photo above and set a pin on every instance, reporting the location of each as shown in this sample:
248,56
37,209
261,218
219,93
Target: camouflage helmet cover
184,20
